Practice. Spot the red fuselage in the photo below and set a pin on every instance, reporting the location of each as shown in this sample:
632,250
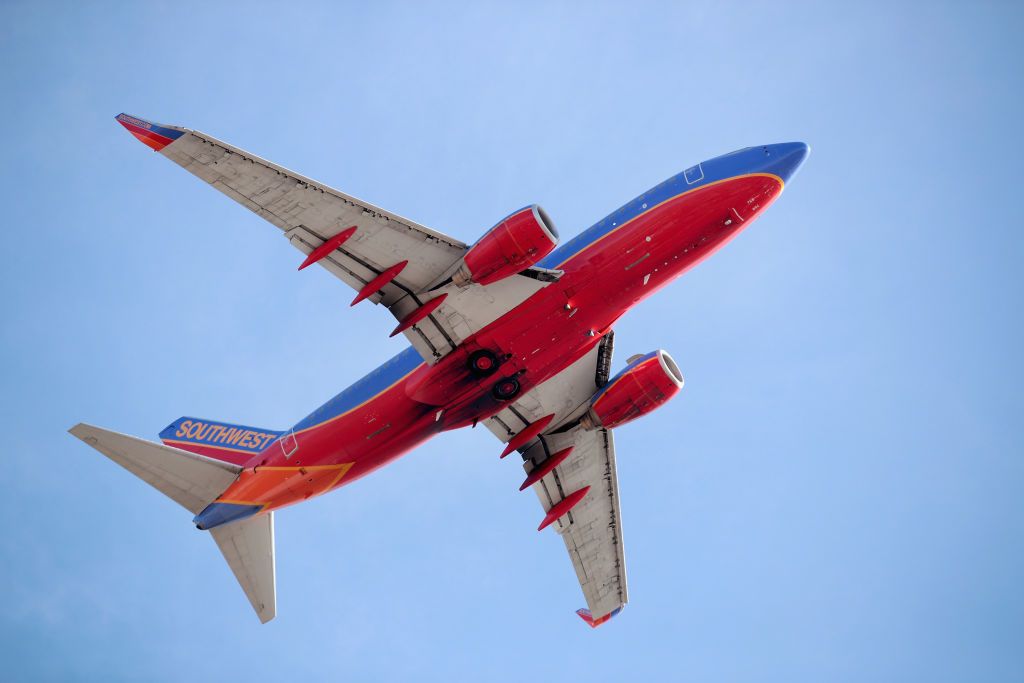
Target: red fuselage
607,270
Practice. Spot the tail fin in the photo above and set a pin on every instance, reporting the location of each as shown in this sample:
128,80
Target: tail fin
230,443
191,480
194,481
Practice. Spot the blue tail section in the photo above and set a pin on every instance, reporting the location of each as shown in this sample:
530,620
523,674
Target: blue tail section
216,514
220,440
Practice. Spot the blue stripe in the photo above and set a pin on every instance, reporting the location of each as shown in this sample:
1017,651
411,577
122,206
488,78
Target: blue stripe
740,162
365,389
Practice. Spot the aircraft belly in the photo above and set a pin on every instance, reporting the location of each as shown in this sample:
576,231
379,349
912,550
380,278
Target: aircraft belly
536,340
653,249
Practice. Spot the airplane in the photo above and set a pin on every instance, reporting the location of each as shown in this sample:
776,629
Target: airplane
513,332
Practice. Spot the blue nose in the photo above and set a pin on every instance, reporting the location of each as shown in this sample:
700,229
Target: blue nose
783,159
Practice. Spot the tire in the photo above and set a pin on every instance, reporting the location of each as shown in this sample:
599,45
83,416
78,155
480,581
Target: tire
483,363
506,389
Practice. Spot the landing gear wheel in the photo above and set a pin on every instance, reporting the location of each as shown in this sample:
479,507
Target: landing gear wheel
483,363
506,389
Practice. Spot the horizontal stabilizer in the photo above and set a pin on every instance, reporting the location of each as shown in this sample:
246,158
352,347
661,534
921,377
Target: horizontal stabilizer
190,480
248,546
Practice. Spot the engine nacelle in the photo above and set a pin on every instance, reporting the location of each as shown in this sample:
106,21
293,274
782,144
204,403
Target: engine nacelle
647,382
514,244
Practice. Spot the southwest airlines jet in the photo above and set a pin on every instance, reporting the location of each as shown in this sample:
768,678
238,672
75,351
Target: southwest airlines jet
513,332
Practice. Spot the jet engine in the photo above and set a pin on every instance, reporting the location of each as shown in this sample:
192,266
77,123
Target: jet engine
648,382
514,244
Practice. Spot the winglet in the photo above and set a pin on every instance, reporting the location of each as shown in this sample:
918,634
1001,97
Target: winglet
586,616
150,134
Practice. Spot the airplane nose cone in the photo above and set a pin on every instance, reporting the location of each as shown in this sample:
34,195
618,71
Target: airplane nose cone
784,158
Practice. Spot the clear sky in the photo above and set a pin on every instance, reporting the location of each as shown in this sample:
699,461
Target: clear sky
836,495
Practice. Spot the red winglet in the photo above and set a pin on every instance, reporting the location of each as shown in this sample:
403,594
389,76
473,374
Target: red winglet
563,506
153,135
418,315
527,434
544,469
586,616
327,247
377,283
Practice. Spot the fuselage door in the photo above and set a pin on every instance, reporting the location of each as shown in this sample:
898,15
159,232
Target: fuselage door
289,444
694,174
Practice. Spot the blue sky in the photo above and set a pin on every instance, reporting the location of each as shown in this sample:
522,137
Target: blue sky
835,495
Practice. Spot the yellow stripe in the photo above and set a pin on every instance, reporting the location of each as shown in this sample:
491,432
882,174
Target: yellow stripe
345,468
308,468
243,502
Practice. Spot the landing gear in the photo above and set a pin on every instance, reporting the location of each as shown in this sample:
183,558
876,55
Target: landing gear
506,389
483,363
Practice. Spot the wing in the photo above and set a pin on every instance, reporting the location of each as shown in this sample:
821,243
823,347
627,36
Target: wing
387,259
592,529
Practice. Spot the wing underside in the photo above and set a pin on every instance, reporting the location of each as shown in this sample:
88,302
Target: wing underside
592,529
405,264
